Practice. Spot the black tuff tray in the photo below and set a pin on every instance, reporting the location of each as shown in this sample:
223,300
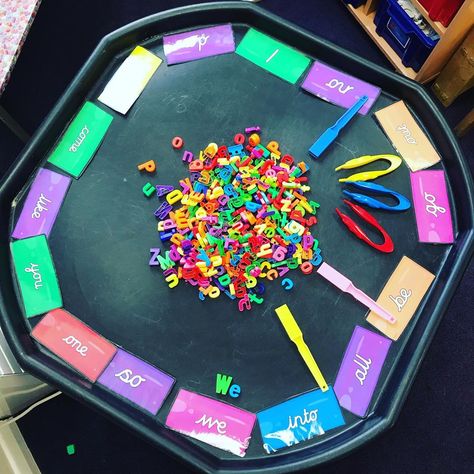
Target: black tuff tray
102,235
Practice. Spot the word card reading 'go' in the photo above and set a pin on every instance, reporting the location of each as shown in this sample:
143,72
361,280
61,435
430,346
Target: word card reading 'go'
213,422
74,342
360,370
137,381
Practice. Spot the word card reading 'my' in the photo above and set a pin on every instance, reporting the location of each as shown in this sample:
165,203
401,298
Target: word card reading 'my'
401,296
198,44
129,80
42,204
81,140
74,342
213,422
270,54
137,381
36,275
360,370
299,419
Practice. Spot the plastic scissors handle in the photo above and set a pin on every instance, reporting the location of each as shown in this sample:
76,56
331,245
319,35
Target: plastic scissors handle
403,202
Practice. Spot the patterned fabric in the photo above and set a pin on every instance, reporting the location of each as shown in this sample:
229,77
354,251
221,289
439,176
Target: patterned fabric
16,17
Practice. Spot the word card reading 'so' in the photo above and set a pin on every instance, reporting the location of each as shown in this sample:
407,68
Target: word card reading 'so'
216,423
74,342
360,370
137,381
299,419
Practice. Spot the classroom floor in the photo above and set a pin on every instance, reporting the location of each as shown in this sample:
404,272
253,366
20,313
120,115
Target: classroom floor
434,431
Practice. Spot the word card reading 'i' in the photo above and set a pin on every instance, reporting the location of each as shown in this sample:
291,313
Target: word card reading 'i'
299,419
213,422
360,370
137,381
74,342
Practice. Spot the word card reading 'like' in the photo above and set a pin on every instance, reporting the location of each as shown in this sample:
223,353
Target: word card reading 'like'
198,44
299,419
137,381
74,342
360,370
216,423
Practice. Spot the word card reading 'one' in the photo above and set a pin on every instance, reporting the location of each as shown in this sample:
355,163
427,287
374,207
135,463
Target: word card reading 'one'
137,381
213,422
338,88
36,275
299,419
360,370
42,204
270,54
198,44
81,140
74,342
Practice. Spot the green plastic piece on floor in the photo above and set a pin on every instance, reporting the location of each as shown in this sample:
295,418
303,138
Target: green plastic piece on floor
71,449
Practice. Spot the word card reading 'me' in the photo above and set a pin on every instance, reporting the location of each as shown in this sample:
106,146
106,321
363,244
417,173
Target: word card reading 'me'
36,275
216,423
129,80
198,44
42,204
432,210
401,296
407,137
299,419
137,381
81,140
360,370
338,88
74,342
270,54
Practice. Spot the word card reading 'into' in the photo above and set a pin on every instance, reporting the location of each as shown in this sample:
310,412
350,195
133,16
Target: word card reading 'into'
213,422
74,342
360,370
299,419
42,204
36,275
137,381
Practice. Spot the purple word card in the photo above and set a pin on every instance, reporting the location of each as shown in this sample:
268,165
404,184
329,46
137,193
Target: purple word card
360,370
338,88
42,204
137,381
198,44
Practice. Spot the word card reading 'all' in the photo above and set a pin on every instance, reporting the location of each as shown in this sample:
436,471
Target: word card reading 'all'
338,88
299,419
129,80
74,342
401,296
36,275
198,44
42,204
81,140
137,381
270,54
213,422
360,370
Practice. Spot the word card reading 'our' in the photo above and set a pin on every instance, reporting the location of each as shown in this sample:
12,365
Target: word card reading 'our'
431,203
36,275
299,419
81,140
129,80
137,381
401,296
42,204
360,370
270,54
213,422
198,44
74,342
338,88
